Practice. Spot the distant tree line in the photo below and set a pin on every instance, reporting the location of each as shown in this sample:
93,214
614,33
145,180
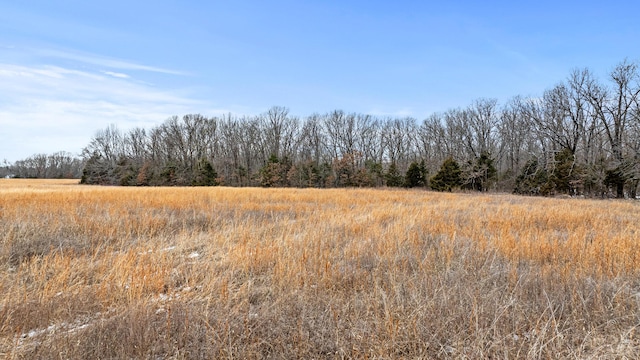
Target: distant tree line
59,165
582,137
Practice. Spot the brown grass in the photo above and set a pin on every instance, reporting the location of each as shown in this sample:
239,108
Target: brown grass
188,273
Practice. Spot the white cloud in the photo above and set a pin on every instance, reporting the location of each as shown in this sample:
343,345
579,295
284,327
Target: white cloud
48,108
103,61
116,74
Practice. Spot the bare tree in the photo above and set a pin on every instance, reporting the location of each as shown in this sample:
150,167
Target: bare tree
613,107
107,144
275,123
398,136
481,127
432,139
341,133
368,138
516,144
230,149
313,140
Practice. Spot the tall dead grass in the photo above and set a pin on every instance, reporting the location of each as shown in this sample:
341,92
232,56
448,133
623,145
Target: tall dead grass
187,273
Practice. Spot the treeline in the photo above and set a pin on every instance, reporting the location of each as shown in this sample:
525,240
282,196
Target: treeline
581,137
59,165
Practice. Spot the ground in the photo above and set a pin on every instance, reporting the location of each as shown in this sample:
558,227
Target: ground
112,272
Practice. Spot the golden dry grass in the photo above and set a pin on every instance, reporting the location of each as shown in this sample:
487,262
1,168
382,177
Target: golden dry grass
110,272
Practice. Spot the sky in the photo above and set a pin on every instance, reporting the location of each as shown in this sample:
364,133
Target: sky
70,68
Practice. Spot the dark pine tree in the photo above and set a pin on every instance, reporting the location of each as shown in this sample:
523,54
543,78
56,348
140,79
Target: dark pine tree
393,177
448,177
205,174
416,175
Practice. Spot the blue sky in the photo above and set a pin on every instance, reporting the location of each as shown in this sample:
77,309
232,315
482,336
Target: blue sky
69,68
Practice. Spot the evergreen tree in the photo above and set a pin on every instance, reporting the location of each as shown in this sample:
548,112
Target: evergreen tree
169,175
614,178
393,177
533,179
416,175
274,173
205,174
126,172
566,176
376,172
448,177
480,172
98,171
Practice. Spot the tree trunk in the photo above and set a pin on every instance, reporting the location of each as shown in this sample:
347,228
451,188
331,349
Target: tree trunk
620,189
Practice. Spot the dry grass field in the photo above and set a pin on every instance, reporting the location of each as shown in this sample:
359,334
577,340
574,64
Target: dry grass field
245,273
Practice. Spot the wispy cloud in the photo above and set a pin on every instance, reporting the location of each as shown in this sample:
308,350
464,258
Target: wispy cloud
116,74
48,108
104,61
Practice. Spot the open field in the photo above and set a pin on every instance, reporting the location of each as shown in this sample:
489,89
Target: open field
108,272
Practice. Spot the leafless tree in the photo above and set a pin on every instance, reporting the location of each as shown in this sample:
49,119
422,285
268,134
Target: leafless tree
432,140
312,140
398,139
516,144
481,127
275,122
613,107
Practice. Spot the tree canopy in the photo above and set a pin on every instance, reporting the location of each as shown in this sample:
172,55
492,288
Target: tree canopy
581,137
